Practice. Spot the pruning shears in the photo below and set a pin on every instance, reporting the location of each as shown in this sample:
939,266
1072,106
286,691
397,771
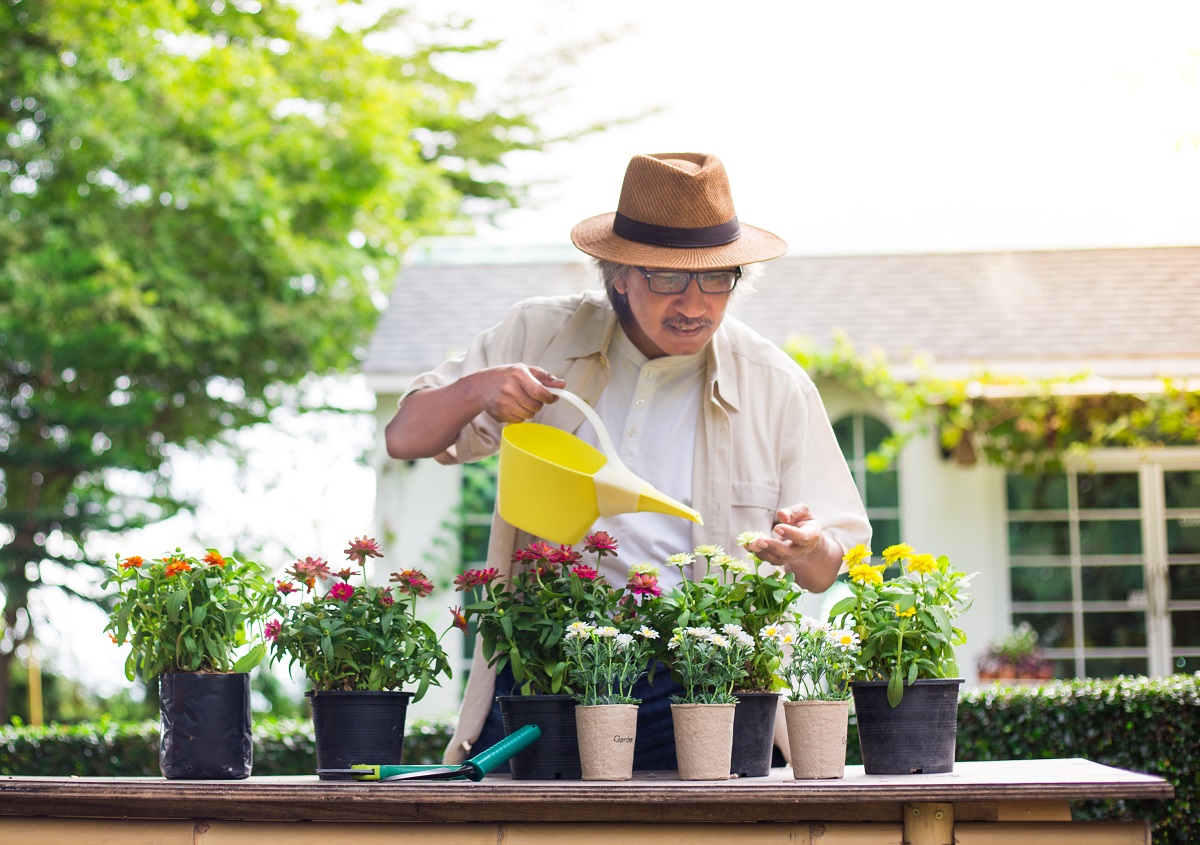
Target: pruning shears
473,768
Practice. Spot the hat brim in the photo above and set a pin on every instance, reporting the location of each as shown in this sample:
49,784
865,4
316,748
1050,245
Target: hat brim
595,236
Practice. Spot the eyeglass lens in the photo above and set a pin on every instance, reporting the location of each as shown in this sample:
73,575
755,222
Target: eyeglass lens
670,281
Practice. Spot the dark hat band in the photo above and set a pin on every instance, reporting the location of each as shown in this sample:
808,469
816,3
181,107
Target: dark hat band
674,236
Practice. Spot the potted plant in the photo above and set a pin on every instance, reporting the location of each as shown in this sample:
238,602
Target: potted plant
755,597
762,598
358,646
817,666
523,624
1015,657
907,687
604,663
195,624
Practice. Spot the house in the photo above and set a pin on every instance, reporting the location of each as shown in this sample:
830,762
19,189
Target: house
1102,559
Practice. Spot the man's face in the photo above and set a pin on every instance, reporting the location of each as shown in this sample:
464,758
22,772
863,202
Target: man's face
671,324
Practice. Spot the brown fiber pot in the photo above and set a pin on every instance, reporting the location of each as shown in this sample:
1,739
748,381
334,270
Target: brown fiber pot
606,736
817,737
703,740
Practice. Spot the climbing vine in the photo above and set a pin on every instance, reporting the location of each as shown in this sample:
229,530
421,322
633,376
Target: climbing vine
1017,423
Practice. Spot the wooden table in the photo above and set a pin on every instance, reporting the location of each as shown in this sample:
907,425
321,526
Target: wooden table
976,804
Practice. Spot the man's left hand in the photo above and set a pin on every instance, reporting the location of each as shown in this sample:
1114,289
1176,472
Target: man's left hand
798,544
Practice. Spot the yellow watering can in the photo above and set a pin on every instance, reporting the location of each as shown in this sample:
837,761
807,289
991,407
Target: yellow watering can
555,486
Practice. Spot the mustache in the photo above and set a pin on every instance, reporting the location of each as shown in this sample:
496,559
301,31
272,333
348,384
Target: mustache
683,324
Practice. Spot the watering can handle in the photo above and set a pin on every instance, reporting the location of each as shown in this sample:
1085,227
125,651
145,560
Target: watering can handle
606,443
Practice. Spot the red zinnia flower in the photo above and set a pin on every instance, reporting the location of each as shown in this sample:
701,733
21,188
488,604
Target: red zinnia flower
476,578
600,543
363,548
214,558
174,567
460,621
385,599
584,571
644,584
134,562
341,591
285,587
413,582
271,631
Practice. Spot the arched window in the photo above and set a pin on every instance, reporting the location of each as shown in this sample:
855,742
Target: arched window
859,435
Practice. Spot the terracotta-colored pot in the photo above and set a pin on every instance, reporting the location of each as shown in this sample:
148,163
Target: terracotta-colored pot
606,737
703,740
817,737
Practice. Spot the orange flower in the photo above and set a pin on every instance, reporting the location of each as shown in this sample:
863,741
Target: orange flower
214,558
174,567
133,562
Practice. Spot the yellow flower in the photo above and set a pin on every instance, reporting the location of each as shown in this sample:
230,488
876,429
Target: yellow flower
898,552
912,611
864,573
855,555
922,563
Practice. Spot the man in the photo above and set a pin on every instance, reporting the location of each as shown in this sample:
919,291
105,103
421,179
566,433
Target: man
703,408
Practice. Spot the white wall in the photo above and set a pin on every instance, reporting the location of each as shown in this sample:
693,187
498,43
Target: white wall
413,499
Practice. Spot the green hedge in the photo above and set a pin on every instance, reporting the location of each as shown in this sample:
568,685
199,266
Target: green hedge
1132,723
130,749
1141,724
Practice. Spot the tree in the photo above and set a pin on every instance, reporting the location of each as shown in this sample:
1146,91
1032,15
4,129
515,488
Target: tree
203,201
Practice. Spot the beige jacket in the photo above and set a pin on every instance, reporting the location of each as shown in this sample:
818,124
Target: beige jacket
767,442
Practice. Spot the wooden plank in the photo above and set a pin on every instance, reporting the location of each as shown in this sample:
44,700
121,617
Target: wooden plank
16,831
928,824
1054,833
649,797
1027,811
323,833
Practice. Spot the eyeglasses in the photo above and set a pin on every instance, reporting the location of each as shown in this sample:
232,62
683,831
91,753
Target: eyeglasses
676,281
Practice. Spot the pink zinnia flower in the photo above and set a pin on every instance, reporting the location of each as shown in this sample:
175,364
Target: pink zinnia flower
565,556
644,584
285,587
584,571
385,599
460,621
476,578
413,582
363,548
341,591
309,568
345,574
600,543
271,631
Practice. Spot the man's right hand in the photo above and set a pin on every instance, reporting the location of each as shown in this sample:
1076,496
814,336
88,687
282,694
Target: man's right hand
514,392
428,421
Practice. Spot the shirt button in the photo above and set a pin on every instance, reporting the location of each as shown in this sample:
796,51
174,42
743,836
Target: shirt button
640,402
649,374
631,433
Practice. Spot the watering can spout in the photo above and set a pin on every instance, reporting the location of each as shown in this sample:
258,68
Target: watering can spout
652,501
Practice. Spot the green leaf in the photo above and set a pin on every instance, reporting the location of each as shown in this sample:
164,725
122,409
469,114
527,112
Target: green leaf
895,689
251,658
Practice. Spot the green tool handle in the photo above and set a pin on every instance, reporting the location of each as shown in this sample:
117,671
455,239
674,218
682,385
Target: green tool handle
502,751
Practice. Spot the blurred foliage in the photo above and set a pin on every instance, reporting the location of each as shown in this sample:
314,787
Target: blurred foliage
1022,424
203,203
1147,725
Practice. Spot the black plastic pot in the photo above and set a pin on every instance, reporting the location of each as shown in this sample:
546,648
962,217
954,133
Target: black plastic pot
204,726
753,734
555,755
358,726
915,737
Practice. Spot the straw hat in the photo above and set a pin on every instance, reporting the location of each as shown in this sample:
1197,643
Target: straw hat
676,212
